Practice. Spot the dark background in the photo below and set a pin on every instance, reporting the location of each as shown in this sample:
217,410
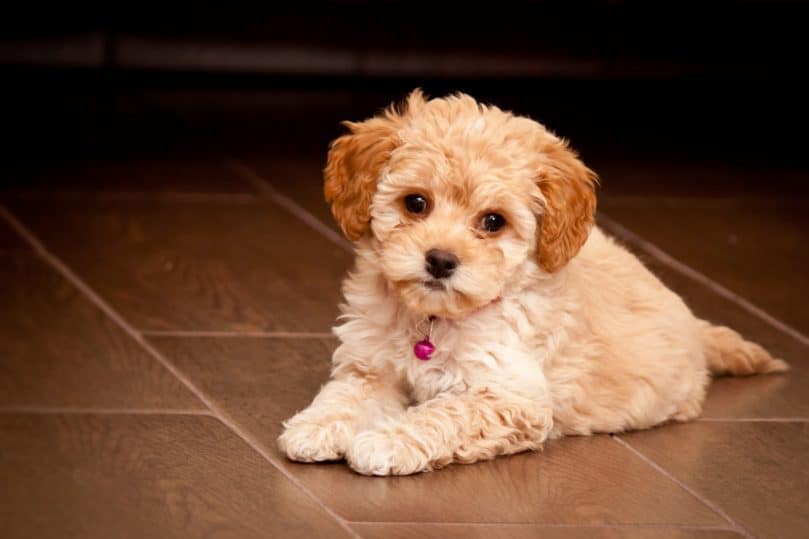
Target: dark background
714,81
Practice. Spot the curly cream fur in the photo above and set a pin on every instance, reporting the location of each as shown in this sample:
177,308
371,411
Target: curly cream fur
547,327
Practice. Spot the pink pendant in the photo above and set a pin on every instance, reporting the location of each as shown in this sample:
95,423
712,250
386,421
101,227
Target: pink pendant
424,349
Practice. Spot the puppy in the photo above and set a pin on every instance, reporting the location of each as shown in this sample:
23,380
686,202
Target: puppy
486,312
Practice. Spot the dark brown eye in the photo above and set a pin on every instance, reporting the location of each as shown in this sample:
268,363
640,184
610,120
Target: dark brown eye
415,203
492,222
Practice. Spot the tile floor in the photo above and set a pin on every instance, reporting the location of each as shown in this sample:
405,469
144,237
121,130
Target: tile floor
160,318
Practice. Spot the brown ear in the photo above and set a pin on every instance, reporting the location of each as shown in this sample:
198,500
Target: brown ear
354,163
570,204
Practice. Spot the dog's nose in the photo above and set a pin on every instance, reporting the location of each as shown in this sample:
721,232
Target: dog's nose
440,263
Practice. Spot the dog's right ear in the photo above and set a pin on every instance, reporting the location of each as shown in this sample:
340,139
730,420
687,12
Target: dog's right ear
354,163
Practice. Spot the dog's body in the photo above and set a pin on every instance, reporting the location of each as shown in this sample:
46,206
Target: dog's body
543,325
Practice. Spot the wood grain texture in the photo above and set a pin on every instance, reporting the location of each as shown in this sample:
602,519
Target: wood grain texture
261,382
88,476
756,472
524,531
298,178
59,350
200,266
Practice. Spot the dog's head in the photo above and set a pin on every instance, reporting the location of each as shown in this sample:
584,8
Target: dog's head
457,197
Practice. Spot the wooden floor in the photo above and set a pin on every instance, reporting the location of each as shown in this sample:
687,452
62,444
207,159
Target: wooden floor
160,318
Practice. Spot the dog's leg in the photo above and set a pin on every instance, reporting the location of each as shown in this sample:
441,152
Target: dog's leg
472,426
343,407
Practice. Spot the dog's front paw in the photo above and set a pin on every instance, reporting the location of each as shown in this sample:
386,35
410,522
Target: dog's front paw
315,442
381,452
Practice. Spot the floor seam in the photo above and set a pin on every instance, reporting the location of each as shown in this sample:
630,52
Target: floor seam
630,525
265,189
44,410
694,275
752,420
239,334
702,499
107,309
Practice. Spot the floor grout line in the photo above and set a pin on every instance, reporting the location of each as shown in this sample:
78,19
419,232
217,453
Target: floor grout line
219,414
238,334
43,410
752,420
705,501
630,525
701,278
266,189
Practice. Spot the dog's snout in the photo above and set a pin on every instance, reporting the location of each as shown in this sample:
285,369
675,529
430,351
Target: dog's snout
440,263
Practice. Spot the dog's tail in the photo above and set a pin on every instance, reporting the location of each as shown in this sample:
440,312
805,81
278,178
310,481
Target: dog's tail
728,353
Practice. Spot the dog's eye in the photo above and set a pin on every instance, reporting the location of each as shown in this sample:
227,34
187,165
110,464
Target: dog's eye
492,222
415,203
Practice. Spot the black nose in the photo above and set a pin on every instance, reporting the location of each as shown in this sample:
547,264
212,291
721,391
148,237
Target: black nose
441,264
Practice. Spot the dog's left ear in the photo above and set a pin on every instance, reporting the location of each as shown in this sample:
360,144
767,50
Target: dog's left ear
355,161
568,187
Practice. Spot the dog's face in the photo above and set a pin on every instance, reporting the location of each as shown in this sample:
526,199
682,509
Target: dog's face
458,197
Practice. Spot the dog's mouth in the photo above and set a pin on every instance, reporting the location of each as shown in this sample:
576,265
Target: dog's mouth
434,284
436,297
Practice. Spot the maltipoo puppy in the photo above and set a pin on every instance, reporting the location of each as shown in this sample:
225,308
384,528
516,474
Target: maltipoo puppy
486,313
